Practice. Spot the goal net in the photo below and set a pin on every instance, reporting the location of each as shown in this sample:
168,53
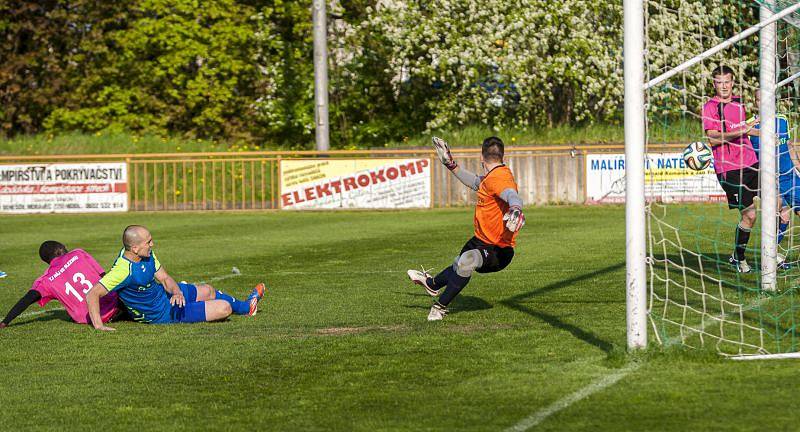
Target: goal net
698,295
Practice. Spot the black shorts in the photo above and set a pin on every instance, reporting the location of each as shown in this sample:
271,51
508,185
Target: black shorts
495,258
741,186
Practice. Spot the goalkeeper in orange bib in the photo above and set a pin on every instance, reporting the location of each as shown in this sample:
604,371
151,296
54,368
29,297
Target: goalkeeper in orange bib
498,219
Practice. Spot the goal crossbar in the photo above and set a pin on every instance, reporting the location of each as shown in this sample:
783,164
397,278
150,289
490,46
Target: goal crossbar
723,45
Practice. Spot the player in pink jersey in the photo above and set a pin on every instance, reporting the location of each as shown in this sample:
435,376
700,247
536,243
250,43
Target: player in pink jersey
735,161
68,279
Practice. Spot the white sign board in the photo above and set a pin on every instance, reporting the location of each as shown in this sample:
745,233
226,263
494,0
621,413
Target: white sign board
667,179
355,183
64,188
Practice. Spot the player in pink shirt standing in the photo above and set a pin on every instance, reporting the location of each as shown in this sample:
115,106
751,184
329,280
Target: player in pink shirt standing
68,279
735,161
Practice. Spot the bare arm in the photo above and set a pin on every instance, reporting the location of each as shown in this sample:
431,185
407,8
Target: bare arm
793,152
93,303
171,287
716,137
715,142
720,137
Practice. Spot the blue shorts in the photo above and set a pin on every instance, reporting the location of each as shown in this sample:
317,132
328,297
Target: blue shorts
790,191
193,312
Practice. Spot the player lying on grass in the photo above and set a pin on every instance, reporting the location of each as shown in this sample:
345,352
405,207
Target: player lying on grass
152,296
68,278
498,218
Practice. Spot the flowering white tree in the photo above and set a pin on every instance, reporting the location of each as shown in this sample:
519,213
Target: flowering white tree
506,62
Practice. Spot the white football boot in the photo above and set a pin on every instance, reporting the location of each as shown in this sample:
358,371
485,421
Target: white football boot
421,278
437,313
740,266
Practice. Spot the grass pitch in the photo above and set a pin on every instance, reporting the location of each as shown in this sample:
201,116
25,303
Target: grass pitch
341,342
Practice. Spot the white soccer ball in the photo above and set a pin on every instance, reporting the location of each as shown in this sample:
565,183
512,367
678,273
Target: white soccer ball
698,156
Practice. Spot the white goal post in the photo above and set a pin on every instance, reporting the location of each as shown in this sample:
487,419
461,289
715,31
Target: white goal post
635,123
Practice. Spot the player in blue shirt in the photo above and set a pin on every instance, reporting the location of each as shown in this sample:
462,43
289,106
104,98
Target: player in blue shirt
152,296
788,176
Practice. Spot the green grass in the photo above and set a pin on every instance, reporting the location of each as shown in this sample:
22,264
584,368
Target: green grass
693,240
596,134
342,342
470,136
109,143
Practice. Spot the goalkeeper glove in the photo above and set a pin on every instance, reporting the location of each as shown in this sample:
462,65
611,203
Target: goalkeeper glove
514,218
443,151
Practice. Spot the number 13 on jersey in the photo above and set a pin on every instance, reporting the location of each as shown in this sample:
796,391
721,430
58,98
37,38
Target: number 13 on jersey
80,279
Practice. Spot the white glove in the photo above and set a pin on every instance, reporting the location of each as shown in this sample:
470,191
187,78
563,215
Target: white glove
514,218
443,151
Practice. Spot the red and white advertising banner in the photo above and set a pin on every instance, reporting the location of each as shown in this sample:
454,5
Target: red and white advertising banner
667,179
355,183
64,188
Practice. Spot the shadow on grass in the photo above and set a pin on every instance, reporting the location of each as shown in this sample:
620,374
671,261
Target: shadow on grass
462,303
50,315
414,294
707,296
516,303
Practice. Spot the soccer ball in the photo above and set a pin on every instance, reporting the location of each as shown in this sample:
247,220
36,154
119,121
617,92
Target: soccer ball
697,156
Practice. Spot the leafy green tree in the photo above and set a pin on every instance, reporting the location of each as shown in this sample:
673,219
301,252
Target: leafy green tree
177,65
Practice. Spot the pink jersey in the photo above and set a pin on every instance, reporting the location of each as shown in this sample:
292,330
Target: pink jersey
68,279
728,117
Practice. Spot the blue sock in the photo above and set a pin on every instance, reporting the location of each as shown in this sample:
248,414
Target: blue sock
239,307
782,230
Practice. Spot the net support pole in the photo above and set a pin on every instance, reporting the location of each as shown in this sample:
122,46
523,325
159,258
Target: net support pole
635,277
767,157
788,80
320,23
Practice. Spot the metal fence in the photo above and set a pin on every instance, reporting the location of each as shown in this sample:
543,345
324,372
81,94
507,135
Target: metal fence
251,180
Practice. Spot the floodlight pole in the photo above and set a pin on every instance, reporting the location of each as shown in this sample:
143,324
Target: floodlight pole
635,275
767,158
320,18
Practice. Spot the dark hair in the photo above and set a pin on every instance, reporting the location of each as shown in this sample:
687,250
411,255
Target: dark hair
722,70
493,149
51,249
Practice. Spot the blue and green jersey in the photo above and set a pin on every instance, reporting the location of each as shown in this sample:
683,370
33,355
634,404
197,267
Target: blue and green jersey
785,164
138,289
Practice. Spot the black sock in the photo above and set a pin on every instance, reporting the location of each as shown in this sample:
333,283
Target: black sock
742,237
454,286
440,281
